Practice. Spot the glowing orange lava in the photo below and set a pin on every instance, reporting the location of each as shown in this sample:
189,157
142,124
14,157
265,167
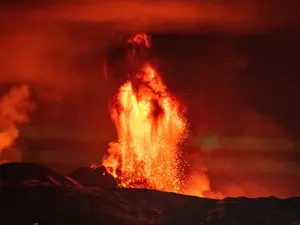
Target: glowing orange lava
150,128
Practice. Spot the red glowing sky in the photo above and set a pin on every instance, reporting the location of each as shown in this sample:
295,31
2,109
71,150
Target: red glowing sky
238,75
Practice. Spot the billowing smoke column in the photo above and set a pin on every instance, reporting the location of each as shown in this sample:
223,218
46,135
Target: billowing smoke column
149,125
14,108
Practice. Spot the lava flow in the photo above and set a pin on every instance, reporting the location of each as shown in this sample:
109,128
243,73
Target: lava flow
150,128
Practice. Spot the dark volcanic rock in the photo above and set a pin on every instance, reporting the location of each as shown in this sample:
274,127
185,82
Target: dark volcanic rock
52,205
13,174
47,203
68,205
94,177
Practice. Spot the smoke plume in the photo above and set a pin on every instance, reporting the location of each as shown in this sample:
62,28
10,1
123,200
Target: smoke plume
14,108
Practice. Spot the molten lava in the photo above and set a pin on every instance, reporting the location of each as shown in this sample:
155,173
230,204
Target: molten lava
150,128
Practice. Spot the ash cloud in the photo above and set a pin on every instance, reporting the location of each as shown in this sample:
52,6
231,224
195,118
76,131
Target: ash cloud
41,42
41,55
163,16
237,16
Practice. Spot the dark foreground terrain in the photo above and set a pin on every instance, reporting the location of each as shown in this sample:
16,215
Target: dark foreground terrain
57,201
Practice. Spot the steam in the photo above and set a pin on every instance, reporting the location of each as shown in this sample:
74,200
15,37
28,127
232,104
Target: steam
14,108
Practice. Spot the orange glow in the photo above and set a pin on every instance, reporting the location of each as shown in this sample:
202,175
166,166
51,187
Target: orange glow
14,107
150,127
141,39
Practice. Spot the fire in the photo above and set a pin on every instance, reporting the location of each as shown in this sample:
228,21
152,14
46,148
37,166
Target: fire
150,128
14,107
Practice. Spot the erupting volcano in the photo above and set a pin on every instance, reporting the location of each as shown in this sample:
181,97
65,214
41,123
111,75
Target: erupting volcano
150,128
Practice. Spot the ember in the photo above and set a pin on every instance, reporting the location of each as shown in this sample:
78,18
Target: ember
150,127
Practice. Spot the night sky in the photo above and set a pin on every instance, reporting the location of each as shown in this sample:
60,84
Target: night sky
234,64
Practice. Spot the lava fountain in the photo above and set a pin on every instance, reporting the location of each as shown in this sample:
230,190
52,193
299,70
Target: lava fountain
150,127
